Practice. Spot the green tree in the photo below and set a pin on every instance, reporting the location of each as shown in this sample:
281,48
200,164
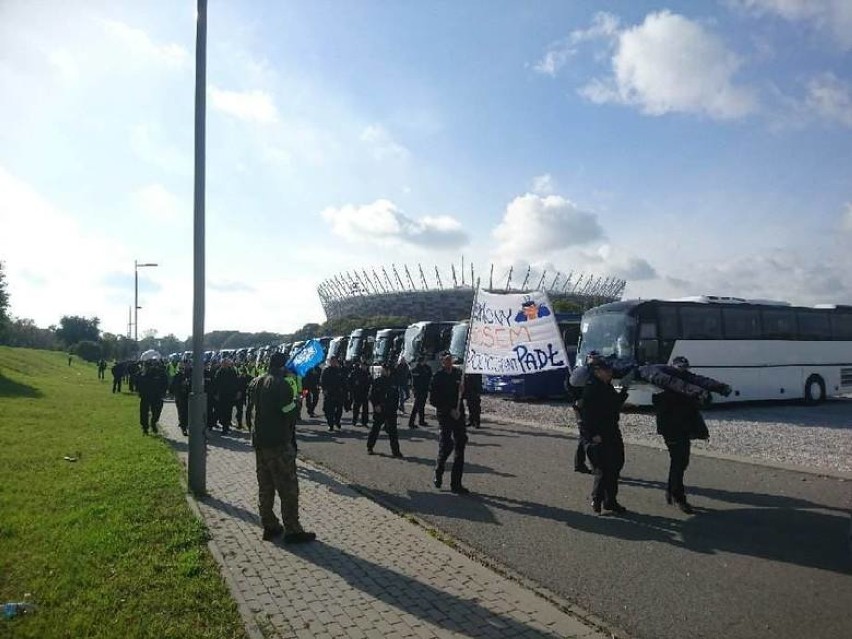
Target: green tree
88,350
73,329
5,319
25,333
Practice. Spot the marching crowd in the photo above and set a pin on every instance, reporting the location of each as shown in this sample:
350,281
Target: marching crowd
268,399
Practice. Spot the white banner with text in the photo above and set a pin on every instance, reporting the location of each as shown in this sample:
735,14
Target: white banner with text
513,334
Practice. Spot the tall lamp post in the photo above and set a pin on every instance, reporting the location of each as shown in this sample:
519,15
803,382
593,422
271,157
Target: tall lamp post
136,307
197,462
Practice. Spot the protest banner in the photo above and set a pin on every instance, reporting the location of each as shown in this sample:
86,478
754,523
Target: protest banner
513,334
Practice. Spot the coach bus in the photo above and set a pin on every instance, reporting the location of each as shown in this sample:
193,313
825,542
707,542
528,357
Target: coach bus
764,350
360,346
427,340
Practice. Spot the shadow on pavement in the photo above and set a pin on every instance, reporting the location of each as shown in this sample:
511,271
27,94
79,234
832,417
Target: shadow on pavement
434,606
440,502
11,388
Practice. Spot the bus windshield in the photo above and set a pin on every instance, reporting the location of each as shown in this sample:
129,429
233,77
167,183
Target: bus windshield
413,343
458,340
608,334
382,349
353,351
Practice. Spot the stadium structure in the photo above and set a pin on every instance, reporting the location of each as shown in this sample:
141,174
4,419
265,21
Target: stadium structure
427,296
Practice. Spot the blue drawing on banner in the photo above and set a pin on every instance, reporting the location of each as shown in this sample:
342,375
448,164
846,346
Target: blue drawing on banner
531,311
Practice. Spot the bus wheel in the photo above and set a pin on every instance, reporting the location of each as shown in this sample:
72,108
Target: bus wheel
814,390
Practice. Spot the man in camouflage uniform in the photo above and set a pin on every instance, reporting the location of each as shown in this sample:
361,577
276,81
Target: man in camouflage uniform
271,412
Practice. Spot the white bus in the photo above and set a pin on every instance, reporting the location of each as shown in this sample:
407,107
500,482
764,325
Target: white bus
764,350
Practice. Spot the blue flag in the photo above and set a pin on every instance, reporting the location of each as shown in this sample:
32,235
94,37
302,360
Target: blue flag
303,360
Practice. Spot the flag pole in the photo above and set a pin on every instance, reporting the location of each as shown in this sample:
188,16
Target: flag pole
467,344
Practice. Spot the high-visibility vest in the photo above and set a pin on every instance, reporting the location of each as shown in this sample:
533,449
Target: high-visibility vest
296,385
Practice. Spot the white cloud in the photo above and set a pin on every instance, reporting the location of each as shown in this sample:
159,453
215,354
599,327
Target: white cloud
383,223
159,205
632,269
534,225
139,43
604,25
830,99
252,106
846,219
382,144
832,16
670,64
543,184
66,277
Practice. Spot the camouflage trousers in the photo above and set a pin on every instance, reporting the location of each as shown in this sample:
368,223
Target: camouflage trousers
276,472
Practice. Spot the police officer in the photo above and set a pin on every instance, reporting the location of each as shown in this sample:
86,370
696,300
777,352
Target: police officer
679,421
227,386
180,387
360,382
311,384
243,380
332,384
473,398
151,384
599,430
421,377
272,412
117,371
444,392
384,396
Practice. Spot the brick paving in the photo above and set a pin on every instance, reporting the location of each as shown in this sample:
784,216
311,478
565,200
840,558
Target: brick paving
370,573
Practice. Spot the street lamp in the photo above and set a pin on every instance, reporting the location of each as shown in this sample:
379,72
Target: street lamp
136,267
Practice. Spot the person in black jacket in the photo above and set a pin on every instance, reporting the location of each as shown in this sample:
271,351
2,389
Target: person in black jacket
151,383
473,398
444,396
421,376
227,385
332,384
117,375
311,384
679,421
384,396
360,381
601,436
180,387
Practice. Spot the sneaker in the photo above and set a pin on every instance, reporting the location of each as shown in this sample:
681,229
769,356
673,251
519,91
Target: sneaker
438,480
299,537
460,490
184,432
596,506
585,470
272,533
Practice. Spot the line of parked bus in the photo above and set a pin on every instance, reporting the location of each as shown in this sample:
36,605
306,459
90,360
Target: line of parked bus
764,350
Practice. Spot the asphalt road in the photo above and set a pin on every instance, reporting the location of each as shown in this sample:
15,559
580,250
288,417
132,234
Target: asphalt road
766,555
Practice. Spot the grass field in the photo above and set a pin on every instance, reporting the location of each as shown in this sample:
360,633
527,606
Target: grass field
105,546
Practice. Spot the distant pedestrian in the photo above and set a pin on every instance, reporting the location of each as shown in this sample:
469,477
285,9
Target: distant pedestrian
227,385
180,386
403,380
332,384
102,366
311,385
601,435
271,412
152,385
421,377
384,396
70,357
117,371
679,421
473,399
360,382
444,396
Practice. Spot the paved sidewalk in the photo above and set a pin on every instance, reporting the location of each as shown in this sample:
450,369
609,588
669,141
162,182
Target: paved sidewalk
370,573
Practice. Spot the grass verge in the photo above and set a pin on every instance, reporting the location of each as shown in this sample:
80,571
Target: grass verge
104,546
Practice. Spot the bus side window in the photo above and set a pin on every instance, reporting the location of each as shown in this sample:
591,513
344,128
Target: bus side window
814,325
741,323
701,322
667,319
779,324
841,326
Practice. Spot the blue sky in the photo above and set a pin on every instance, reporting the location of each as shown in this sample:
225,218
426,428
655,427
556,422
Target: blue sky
687,147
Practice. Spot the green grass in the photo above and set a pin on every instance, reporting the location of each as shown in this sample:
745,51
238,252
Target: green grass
105,546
